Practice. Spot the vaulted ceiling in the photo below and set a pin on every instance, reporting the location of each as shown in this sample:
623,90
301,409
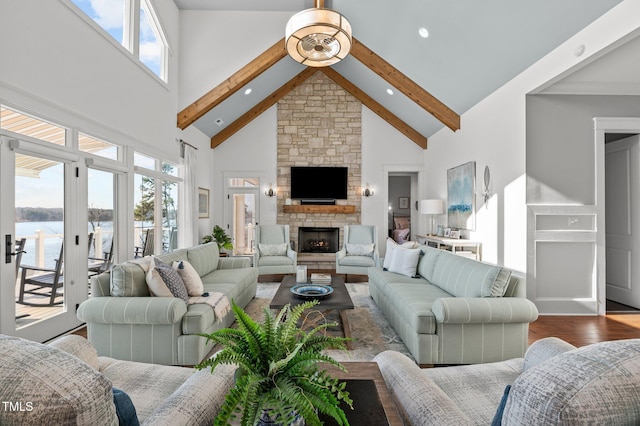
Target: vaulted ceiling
473,48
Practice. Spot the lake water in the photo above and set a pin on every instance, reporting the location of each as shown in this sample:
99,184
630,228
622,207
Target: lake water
54,232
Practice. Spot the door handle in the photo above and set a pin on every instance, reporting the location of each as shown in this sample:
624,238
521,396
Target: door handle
8,246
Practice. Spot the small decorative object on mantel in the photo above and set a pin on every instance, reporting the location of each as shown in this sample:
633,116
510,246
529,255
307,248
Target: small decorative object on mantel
447,232
454,234
301,274
278,378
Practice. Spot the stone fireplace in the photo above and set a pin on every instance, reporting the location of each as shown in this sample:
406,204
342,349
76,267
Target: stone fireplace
319,124
313,239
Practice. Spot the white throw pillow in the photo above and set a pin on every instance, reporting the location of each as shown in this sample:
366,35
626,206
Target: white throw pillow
191,279
156,284
273,249
388,256
405,261
359,249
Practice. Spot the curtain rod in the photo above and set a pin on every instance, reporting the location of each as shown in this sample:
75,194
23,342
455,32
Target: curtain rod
187,143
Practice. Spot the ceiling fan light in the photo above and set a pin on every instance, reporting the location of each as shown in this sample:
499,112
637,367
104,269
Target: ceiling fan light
318,37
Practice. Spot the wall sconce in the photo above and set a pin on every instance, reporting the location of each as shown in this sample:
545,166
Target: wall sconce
270,192
366,192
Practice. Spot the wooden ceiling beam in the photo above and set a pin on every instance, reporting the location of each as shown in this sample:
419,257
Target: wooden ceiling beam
264,105
405,85
218,94
376,107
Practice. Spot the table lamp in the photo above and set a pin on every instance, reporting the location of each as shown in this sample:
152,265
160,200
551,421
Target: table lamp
432,208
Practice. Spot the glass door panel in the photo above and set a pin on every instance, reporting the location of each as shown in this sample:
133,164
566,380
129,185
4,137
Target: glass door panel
143,215
244,222
101,220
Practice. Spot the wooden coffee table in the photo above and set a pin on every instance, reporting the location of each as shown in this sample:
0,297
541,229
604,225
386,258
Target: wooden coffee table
339,301
373,404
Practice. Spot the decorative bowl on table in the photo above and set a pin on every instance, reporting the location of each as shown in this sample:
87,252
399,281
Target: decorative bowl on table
311,291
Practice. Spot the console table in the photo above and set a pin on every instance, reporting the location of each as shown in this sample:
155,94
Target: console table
468,248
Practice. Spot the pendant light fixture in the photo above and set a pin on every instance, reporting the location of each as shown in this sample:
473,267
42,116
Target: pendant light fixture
318,37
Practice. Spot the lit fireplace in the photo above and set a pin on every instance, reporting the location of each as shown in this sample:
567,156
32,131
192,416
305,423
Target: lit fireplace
318,240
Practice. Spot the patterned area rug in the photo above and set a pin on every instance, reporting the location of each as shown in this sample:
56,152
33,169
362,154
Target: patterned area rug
371,332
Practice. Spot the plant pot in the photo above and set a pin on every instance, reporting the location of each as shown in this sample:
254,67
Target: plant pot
265,420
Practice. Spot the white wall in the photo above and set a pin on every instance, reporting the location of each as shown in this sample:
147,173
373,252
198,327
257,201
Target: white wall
494,133
55,58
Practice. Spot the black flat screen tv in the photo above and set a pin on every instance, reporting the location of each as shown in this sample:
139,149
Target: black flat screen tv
319,183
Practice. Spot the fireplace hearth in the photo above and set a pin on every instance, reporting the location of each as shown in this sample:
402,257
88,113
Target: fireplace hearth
318,240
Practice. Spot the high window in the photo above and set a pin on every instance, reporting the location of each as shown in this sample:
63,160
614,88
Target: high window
135,25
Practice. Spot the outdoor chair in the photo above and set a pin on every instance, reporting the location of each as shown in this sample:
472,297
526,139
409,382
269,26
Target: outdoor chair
98,265
273,253
147,247
49,280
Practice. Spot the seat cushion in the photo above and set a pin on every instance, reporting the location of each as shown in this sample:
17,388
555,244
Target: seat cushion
364,261
275,261
413,303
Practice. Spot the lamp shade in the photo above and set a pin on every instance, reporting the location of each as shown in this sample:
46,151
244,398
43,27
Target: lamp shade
431,207
318,37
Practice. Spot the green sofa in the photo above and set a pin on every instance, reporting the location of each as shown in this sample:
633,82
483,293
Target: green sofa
455,310
125,322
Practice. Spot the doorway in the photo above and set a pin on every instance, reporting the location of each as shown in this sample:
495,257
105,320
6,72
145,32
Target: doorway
622,211
242,214
614,127
402,198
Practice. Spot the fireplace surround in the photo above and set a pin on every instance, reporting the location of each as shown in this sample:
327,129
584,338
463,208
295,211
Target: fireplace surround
318,239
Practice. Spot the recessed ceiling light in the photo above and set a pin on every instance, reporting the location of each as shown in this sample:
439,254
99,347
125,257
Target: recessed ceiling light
219,122
248,91
390,92
424,33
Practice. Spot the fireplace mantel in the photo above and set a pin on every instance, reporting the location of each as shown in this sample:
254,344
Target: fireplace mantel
318,208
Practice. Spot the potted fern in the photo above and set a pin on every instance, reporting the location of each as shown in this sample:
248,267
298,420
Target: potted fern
278,380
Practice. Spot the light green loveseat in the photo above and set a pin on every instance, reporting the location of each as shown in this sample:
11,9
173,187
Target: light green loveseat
125,322
457,310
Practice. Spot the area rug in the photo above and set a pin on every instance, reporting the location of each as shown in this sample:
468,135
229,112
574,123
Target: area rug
371,332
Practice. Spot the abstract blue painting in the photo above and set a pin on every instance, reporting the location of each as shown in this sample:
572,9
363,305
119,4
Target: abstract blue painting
461,204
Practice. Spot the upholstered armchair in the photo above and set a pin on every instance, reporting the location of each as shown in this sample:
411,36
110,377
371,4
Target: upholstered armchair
273,253
359,250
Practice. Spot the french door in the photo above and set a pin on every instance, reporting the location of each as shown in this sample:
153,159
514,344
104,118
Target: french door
36,206
242,218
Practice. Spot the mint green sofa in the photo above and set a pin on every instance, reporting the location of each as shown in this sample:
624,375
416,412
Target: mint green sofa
456,310
125,322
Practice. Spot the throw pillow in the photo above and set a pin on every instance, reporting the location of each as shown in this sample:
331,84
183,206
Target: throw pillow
172,280
359,249
273,249
192,280
499,286
388,255
155,283
497,419
125,410
405,261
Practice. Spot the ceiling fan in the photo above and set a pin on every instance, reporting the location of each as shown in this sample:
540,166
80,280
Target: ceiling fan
318,37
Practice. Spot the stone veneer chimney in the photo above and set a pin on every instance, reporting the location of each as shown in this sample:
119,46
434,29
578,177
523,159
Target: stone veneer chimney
319,124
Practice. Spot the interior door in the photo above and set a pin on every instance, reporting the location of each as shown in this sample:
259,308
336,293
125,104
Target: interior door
243,214
36,206
622,183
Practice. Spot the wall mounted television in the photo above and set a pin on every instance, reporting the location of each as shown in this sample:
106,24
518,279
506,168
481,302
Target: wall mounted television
319,184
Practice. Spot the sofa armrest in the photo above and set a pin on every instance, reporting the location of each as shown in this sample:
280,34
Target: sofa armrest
79,347
101,285
484,310
544,349
234,262
419,399
292,254
341,253
197,401
132,310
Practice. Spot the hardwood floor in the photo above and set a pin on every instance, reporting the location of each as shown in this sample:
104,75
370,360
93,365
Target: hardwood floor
585,330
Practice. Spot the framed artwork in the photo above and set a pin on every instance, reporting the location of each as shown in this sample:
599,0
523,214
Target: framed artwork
440,231
461,201
455,234
447,232
403,202
203,203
